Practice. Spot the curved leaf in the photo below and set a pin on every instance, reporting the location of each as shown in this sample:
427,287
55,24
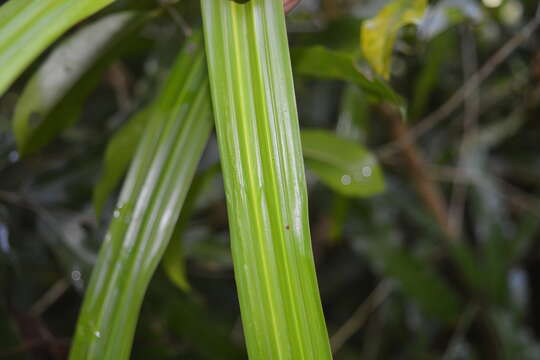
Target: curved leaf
118,155
29,27
174,262
379,33
342,164
261,154
149,205
53,98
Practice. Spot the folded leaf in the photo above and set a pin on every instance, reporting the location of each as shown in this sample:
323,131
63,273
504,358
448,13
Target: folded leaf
29,27
263,170
149,205
342,164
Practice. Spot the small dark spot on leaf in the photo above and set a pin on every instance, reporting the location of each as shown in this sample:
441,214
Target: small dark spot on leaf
191,48
34,119
287,227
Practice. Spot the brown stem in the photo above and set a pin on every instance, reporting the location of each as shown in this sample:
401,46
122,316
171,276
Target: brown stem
433,199
426,186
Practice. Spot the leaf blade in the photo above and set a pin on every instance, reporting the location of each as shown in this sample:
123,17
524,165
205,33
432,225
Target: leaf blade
258,136
149,204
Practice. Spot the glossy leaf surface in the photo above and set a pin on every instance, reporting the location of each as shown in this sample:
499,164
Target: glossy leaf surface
29,27
342,164
379,34
149,205
261,154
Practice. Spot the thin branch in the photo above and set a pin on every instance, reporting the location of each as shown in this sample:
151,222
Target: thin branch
50,297
464,324
470,129
176,16
466,89
417,166
361,314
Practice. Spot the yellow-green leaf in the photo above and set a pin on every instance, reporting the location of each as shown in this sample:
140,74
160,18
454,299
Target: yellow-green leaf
379,34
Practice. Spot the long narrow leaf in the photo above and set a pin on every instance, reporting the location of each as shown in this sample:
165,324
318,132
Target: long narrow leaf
27,27
259,140
150,202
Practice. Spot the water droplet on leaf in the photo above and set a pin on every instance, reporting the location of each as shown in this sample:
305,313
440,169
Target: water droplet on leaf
346,180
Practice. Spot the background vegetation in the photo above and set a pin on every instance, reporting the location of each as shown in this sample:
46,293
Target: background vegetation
432,252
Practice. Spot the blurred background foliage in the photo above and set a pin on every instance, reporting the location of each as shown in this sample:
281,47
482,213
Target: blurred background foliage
432,253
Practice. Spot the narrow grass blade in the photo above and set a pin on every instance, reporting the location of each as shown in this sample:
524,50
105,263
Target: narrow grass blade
27,27
261,154
149,204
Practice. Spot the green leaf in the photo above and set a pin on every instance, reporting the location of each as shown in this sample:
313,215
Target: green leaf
118,155
29,27
53,98
418,280
331,64
149,205
353,121
174,259
428,78
379,34
261,154
342,164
